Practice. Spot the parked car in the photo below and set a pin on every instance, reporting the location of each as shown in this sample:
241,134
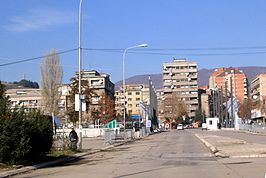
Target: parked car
204,126
180,127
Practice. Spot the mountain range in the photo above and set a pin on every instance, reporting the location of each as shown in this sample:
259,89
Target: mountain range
203,77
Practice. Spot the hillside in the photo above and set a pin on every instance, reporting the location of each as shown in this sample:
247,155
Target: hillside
203,77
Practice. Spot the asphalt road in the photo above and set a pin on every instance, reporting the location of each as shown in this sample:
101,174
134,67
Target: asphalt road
169,154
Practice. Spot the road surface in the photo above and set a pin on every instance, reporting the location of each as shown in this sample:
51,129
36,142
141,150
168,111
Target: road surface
169,154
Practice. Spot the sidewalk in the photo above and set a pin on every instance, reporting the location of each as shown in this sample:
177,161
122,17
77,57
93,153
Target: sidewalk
230,147
93,145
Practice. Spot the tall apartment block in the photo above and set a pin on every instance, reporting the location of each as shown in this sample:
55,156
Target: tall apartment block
180,78
221,78
258,95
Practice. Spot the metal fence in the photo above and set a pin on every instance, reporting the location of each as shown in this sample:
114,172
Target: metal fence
111,136
256,128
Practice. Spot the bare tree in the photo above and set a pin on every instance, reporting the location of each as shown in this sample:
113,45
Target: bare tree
107,108
245,109
174,107
51,79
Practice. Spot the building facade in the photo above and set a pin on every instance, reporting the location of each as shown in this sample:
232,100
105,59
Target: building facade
258,95
100,87
27,98
31,99
222,78
180,78
141,102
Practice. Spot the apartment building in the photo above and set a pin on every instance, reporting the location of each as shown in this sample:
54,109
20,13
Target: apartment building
138,99
31,99
222,78
180,78
26,98
100,86
135,94
258,95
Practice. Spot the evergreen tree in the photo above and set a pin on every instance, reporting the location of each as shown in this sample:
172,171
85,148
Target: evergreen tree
4,103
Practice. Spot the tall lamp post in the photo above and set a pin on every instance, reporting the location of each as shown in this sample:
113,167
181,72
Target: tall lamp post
124,82
80,64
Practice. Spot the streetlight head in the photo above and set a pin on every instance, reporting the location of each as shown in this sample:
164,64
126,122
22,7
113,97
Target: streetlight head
143,45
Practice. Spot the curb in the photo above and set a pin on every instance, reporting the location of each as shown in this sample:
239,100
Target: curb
61,160
210,146
216,152
213,149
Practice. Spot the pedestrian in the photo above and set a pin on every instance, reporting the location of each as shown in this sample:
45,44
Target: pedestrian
73,137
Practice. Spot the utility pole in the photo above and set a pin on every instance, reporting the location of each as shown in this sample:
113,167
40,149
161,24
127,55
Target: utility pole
231,97
80,68
222,107
226,105
218,103
213,103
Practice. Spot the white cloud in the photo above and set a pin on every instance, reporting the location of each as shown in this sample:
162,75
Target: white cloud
41,19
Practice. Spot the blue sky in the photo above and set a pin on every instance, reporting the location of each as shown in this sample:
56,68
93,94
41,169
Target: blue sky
32,28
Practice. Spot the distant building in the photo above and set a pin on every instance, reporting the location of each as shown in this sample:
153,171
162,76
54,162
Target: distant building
160,101
180,78
138,99
220,78
27,98
204,101
31,99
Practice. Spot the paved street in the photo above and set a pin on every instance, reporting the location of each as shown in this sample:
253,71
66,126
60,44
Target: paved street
168,154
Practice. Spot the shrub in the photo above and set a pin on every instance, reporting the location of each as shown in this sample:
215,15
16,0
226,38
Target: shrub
24,138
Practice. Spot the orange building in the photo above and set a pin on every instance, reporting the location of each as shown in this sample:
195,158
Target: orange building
221,78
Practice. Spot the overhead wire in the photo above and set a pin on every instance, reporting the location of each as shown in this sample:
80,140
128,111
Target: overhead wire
161,51
149,52
35,58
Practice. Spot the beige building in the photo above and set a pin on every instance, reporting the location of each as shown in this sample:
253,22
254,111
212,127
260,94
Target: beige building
180,78
135,94
31,99
141,102
258,95
26,98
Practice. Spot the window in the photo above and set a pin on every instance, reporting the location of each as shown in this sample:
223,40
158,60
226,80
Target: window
96,82
137,93
210,122
95,99
129,99
137,99
129,93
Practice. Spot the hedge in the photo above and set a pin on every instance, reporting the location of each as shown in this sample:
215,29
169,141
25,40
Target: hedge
25,137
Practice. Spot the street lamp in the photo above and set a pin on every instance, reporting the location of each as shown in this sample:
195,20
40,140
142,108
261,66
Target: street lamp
124,82
80,64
